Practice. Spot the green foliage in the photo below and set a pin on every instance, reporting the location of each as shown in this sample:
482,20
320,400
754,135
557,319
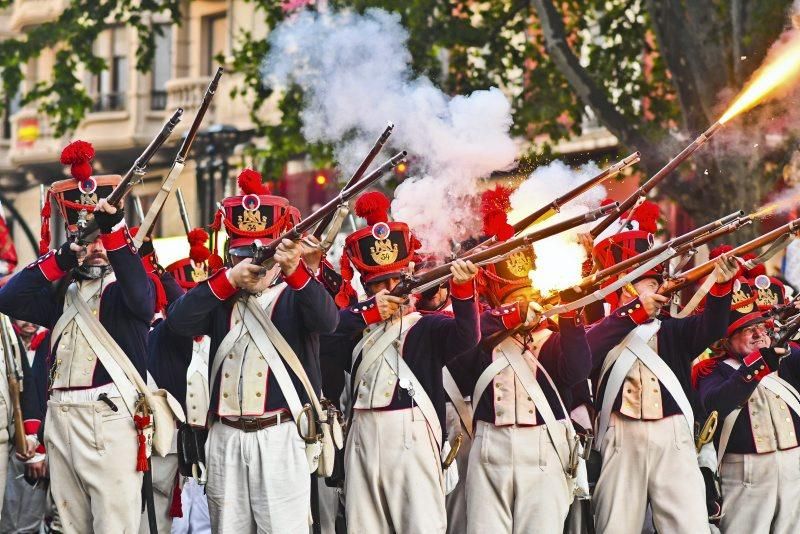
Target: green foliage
63,97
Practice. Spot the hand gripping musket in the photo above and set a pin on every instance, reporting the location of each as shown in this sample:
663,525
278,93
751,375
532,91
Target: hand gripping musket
633,201
11,351
332,222
693,275
87,228
262,254
187,224
439,274
786,332
177,166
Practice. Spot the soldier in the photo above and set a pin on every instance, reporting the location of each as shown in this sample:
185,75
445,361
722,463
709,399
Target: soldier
645,424
393,458
753,387
520,456
258,473
90,435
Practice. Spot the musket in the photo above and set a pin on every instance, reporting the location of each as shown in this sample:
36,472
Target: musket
87,228
786,332
14,377
640,194
187,225
262,254
693,275
681,244
180,160
553,207
439,274
42,197
376,148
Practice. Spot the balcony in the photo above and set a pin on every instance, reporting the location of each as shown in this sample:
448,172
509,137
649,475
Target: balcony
187,93
32,12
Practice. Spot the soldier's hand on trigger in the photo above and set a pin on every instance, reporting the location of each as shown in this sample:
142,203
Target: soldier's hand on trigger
652,303
312,252
387,304
244,274
463,271
727,267
533,315
287,255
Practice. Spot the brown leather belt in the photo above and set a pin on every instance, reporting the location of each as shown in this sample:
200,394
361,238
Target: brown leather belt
254,424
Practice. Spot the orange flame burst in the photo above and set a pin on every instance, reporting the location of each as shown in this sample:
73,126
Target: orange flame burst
782,67
781,205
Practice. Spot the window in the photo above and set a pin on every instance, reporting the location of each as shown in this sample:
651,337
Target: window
215,34
110,86
162,68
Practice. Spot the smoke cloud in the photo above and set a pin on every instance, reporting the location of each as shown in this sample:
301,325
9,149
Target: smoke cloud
355,71
559,259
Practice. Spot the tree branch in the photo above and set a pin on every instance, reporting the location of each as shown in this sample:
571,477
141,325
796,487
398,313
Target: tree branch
581,82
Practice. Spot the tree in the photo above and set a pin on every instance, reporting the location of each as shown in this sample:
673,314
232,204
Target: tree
655,73
64,98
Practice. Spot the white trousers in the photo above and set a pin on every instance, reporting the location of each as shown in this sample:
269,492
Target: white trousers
24,505
257,481
164,470
92,454
328,506
653,460
393,475
456,500
761,492
195,518
515,481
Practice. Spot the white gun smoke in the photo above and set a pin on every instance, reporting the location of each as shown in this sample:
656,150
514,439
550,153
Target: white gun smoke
559,259
356,75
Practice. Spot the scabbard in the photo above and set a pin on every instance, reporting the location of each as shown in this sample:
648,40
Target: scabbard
147,491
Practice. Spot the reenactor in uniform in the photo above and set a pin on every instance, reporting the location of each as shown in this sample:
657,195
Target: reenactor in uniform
393,457
645,428
258,472
92,441
517,476
753,386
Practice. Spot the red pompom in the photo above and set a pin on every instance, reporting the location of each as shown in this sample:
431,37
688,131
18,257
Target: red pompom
215,263
606,201
78,155
495,205
757,270
373,206
133,230
250,183
197,236
346,291
646,215
199,253
719,251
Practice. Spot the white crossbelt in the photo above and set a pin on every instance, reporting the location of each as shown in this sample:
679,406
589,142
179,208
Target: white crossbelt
452,390
621,358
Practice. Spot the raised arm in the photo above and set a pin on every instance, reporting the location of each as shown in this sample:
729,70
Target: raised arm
190,315
696,333
462,332
566,354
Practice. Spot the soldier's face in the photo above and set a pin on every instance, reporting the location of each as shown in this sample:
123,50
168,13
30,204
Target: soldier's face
26,328
644,287
750,339
96,254
374,287
430,302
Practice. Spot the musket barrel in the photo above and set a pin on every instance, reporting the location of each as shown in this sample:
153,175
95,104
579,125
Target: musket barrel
187,225
376,148
211,90
645,188
693,275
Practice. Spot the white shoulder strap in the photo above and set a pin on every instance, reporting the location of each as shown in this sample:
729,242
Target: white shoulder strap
114,360
452,390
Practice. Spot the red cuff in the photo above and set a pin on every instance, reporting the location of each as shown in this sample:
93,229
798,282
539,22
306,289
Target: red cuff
117,240
31,426
755,368
300,277
49,267
368,310
635,311
720,290
40,449
220,286
462,291
509,314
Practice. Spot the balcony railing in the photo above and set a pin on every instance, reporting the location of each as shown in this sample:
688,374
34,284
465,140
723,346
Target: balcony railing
187,93
109,102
